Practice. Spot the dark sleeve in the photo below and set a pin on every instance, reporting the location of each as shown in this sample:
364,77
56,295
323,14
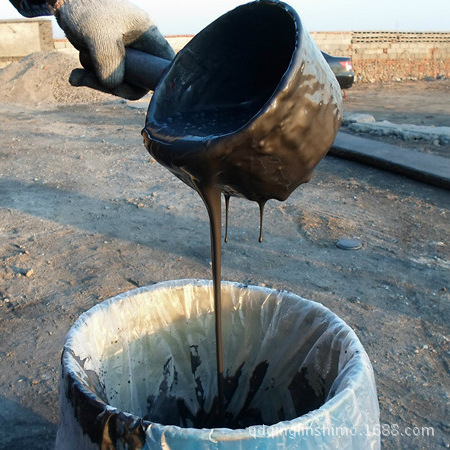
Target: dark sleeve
31,8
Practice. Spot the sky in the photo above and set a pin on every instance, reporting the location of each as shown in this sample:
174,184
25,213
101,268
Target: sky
179,17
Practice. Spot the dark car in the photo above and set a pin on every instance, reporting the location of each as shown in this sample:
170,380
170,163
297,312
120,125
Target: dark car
342,68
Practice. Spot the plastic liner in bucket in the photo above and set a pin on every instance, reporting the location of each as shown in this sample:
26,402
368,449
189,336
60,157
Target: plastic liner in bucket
139,371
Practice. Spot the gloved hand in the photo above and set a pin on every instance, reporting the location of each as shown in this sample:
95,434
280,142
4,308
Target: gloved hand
100,30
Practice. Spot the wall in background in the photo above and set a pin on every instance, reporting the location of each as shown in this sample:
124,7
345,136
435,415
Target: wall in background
387,56
377,55
19,38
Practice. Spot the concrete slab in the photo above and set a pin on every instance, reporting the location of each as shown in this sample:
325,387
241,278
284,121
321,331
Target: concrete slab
407,132
431,169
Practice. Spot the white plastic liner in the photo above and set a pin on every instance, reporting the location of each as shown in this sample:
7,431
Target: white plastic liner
158,342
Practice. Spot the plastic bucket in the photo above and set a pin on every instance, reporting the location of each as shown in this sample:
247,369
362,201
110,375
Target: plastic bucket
139,371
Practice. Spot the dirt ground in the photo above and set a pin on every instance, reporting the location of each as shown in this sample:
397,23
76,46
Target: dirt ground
86,214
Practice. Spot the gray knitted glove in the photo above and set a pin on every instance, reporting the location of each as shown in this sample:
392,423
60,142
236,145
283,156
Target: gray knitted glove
101,29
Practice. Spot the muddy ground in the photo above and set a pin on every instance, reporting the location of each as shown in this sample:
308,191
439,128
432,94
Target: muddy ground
85,214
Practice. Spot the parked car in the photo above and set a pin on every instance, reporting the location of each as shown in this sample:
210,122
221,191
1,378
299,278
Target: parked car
342,68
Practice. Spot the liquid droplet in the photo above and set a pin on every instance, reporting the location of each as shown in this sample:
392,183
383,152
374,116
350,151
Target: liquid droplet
227,207
261,214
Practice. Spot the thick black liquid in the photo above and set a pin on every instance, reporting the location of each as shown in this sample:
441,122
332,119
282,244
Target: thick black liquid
214,166
248,108
215,122
211,195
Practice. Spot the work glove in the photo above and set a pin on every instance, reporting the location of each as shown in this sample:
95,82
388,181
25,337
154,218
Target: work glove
100,30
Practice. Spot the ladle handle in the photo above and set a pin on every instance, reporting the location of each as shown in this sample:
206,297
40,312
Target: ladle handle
141,70
144,70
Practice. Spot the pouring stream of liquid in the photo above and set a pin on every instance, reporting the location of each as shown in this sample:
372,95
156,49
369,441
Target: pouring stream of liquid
211,196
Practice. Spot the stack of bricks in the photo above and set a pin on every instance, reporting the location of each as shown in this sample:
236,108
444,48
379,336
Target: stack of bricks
391,56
